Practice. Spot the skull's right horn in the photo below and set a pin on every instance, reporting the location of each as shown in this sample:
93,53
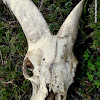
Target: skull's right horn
69,27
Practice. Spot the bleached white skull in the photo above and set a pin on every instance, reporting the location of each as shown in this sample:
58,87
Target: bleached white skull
50,58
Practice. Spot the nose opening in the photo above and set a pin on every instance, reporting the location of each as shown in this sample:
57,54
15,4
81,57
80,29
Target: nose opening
28,68
50,96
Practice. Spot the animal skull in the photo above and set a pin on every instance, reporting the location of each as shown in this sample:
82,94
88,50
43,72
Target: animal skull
50,58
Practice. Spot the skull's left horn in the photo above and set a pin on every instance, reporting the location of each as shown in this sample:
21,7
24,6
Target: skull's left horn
30,18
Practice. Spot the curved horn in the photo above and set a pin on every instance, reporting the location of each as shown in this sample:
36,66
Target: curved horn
31,20
69,27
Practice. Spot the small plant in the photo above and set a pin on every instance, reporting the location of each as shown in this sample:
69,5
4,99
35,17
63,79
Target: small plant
95,27
92,61
90,82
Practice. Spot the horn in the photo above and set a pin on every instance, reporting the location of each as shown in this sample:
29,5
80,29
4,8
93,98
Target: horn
69,27
30,18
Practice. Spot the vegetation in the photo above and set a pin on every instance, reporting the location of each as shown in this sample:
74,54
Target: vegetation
13,46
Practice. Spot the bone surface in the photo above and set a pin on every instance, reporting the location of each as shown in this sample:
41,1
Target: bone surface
50,58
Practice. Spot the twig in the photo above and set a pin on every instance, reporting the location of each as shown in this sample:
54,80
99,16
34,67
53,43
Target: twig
6,82
3,19
11,82
95,11
1,58
73,97
41,5
79,94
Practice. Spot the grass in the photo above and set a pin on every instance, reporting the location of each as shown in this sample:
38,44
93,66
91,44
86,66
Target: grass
13,47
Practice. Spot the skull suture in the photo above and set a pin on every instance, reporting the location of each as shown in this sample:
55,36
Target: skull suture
50,58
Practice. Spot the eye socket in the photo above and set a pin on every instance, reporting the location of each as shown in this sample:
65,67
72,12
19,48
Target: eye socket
28,67
29,64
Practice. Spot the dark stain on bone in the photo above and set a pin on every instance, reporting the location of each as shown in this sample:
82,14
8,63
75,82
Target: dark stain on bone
55,76
62,97
66,61
43,59
62,57
57,86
